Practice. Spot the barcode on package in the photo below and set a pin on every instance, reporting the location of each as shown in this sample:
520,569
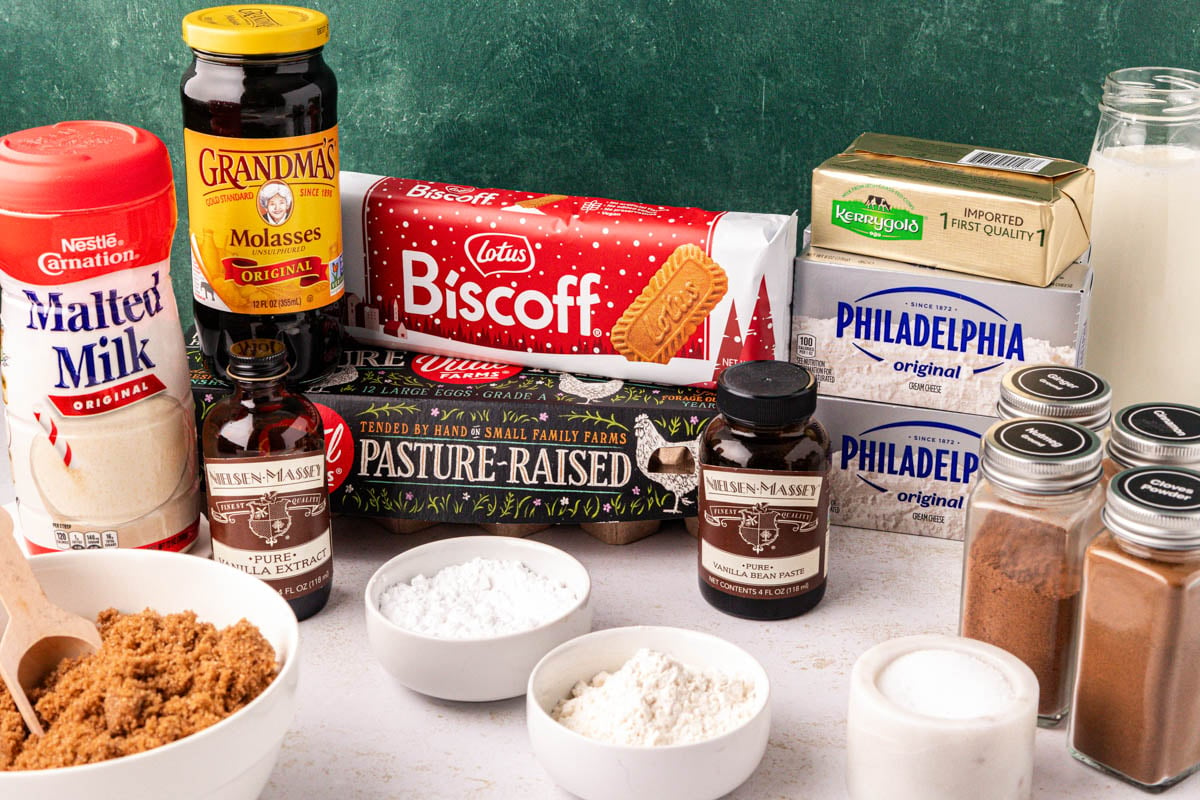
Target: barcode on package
1008,161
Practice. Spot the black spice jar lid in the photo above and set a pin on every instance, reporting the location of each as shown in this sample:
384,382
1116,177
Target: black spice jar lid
1156,433
257,360
1056,392
1155,507
1041,456
767,394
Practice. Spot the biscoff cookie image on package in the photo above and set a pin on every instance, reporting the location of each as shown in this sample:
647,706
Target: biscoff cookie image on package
674,303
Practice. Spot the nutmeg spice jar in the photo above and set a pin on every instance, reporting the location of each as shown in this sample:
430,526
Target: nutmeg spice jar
1137,696
1029,519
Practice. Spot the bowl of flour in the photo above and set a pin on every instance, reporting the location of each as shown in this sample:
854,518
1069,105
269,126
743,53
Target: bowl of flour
468,618
647,712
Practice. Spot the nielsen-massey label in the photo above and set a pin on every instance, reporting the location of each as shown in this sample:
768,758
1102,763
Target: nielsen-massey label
763,532
265,219
270,519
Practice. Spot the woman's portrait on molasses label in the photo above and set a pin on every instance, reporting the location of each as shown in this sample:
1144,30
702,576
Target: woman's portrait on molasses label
275,202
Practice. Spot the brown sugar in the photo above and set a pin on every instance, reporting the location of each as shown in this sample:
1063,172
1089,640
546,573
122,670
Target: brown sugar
156,678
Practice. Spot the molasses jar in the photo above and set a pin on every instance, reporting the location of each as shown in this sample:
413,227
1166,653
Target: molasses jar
264,210
764,494
264,465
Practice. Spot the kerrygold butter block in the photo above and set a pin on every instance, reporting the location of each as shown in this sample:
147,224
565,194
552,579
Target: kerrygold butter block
983,211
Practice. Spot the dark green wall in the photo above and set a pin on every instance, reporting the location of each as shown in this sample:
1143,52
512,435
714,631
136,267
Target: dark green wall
724,105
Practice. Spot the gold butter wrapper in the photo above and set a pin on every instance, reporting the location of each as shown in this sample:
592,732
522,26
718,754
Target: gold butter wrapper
983,211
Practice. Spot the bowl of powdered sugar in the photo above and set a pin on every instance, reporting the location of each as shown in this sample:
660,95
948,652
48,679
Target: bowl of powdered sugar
468,618
648,712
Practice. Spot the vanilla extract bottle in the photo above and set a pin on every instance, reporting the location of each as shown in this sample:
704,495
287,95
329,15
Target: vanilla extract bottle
264,462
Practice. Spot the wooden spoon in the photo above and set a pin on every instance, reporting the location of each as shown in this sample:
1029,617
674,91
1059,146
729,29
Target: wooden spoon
39,633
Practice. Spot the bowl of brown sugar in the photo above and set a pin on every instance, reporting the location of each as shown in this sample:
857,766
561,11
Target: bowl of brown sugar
189,696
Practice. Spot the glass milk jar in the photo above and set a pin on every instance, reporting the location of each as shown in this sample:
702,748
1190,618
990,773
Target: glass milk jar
1147,162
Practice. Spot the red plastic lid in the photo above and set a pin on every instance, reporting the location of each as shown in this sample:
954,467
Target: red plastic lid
79,166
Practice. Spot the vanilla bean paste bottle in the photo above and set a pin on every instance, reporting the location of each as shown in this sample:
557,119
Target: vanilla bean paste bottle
264,463
764,494
264,209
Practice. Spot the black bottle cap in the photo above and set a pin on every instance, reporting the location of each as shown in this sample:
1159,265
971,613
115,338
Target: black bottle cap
767,394
257,360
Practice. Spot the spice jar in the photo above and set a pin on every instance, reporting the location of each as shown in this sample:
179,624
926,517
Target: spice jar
1137,694
264,461
764,497
1056,392
1032,513
264,211
1149,434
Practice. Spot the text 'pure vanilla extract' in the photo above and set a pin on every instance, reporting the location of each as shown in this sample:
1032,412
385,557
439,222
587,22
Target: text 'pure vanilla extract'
264,462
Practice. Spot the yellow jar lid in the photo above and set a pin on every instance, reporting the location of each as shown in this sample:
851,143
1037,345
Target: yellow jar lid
255,30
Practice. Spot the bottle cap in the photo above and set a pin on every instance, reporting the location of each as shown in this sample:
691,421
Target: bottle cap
1041,456
1156,433
767,394
255,30
1056,392
257,360
1155,507
83,165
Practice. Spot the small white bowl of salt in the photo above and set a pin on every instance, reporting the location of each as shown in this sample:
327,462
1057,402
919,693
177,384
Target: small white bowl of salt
468,618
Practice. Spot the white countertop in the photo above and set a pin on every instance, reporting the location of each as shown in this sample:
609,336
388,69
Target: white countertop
359,736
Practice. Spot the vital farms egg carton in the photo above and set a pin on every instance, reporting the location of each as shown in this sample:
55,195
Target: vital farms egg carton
424,438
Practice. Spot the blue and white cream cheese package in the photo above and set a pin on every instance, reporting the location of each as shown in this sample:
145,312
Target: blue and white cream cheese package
901,469
872,329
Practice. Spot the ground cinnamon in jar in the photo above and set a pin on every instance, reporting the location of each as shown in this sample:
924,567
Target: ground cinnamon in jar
1031,515
156,679
1137,697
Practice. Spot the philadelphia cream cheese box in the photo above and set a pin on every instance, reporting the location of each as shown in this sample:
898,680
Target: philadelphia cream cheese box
879,330
900,469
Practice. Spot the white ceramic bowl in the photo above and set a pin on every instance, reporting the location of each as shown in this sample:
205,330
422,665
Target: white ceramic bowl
231,760
597,770
492,668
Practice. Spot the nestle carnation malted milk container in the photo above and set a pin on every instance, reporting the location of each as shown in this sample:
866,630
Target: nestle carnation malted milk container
101,428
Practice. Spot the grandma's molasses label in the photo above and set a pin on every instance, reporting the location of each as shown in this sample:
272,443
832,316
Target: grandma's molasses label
269,517
763,532
265,220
